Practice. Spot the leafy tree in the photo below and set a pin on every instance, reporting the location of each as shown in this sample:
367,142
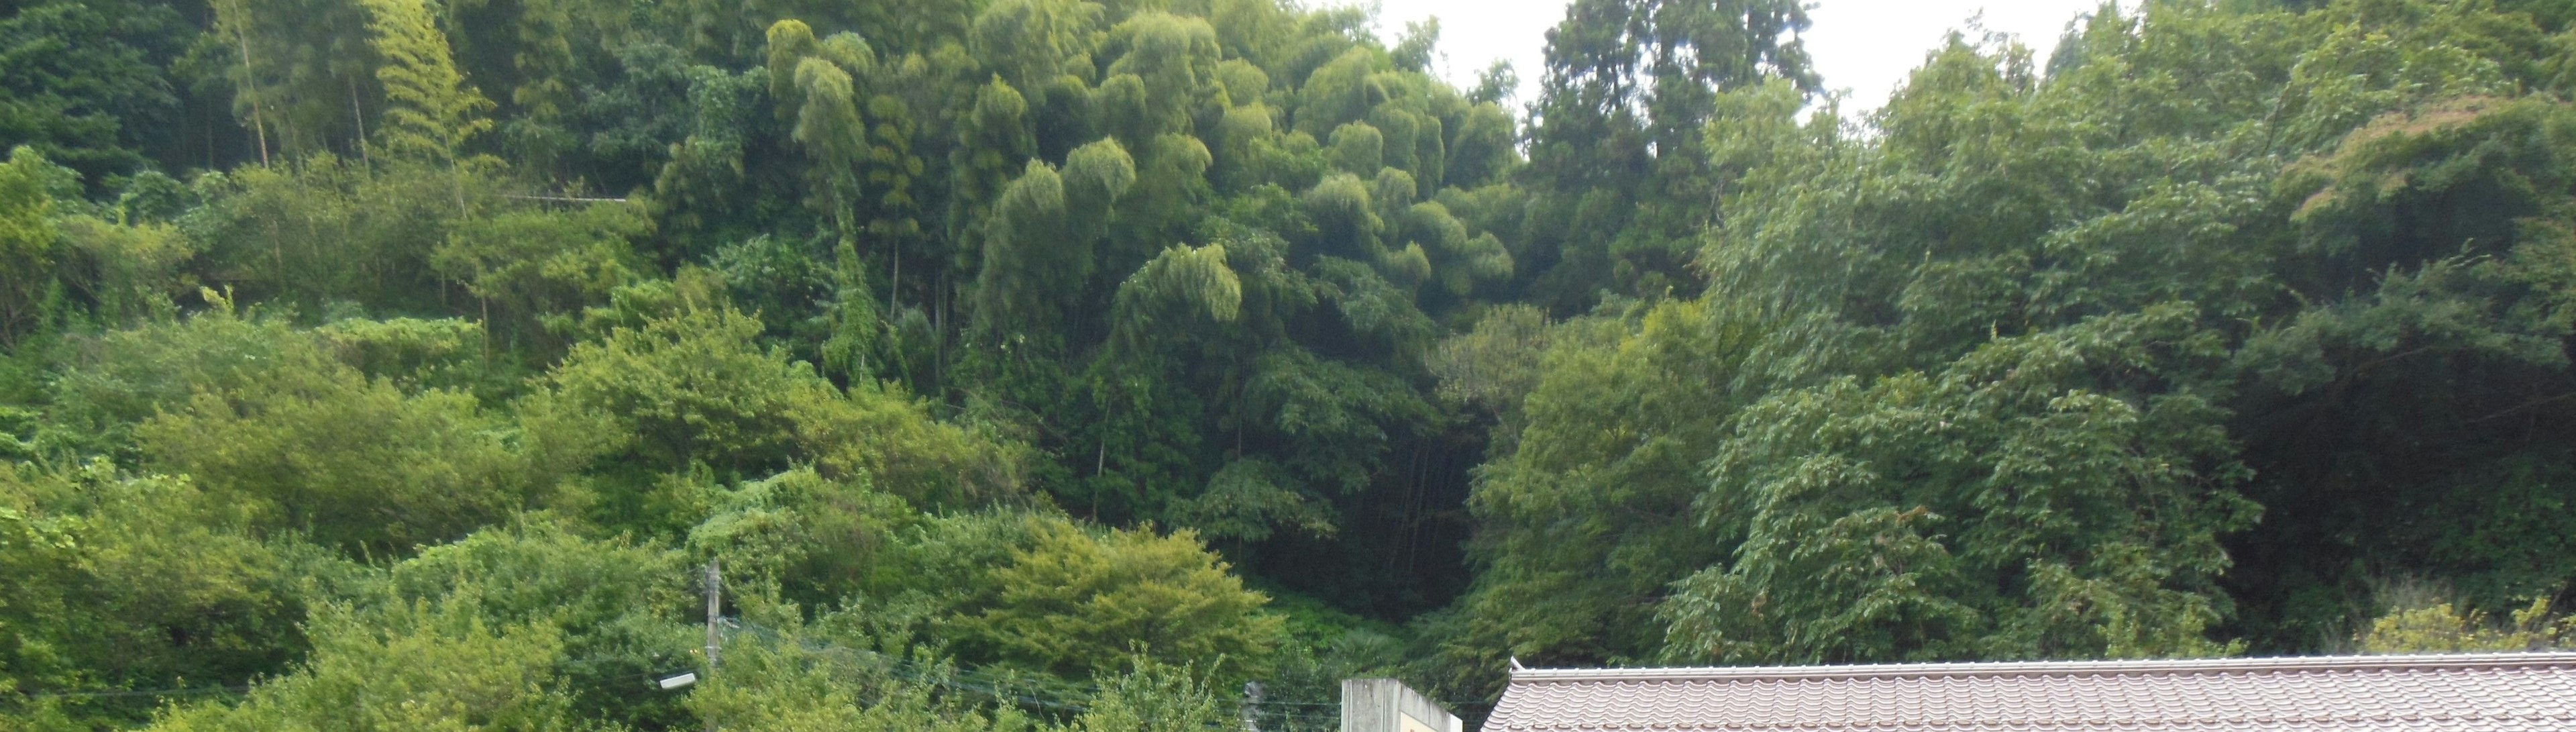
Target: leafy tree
311,444
540,266
680,390
618,606
693,389
1073,602
817,540
1587,519
2074,522
421,666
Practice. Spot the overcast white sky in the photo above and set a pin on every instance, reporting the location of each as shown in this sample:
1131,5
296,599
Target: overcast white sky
1865,46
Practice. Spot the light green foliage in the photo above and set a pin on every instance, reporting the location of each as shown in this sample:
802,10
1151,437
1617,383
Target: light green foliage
1346,222
430,112
616,605
536,571
1182,281
538,266
117,581
1358,149
129,377
1483,149
816,540
131,273
1096,175
311,444
1462,260
691,387
1075,602
678,391
421,666
695,389
940,570
2444,629
1337,93
794,682
1154,697
28,244
412,353
791,41
1412,52
881,430
1174,60
328,231
1032,42
137,374
1025,590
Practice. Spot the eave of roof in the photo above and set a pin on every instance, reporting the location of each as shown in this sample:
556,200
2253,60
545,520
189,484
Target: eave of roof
2517,692
2056,668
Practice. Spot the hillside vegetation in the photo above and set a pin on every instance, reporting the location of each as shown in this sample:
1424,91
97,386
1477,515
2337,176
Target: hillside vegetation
1062,366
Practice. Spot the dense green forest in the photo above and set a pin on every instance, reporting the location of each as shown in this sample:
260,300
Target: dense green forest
1061,366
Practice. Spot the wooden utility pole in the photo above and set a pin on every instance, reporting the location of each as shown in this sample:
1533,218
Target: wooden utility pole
1251,706
715,610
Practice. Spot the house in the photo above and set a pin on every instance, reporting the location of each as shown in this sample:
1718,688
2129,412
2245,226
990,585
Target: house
2512,692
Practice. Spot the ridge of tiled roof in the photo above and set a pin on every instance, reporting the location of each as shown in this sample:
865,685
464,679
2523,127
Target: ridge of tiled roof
2022,668
2490,692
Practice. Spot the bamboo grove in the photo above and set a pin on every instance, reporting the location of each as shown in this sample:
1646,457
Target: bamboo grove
1065,365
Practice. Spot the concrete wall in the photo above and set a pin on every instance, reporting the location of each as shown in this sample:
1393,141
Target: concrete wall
1385,705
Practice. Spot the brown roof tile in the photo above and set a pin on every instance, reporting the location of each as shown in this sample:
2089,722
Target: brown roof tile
2519,692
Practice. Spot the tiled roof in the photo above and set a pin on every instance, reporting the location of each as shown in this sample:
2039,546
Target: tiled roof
2515,692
